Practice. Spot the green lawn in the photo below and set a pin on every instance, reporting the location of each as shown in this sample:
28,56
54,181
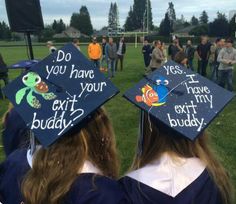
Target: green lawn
125,116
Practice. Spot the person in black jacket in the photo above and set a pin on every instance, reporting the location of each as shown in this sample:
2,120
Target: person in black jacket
121,50
189,51
147,52
3,70
3,73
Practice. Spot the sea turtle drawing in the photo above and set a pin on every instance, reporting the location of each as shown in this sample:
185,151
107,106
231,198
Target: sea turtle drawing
33,84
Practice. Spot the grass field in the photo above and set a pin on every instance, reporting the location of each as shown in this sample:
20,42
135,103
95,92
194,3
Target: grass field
125,116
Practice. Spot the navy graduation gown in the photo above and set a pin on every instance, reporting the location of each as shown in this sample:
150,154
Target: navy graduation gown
12,171
95,189
15,133
87,188
201,191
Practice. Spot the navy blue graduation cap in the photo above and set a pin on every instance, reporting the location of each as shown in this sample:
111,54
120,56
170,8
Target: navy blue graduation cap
59,94
24,64
179,99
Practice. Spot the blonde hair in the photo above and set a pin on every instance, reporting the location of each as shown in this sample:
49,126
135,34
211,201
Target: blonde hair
56,168
156,142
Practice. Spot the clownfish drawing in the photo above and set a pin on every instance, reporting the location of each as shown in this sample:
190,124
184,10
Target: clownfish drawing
149,96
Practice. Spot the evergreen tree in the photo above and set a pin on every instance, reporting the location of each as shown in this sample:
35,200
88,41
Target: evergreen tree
232,26
194,21
129,26
204,18
113,17
74,20
148,14
82,21
222,23
165,26
171,14
58,26
5,33
137,17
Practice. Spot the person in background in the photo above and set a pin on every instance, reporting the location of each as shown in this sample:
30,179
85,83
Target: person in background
15,133
203,53
51,48
147,52
3,74
104,60
111,56
76,43
164,50
190,51
95,52
174,48
214,52
181,58
121,50
227,60
157,56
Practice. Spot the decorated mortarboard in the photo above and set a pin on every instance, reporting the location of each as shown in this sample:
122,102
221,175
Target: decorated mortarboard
59,93
24,64
179,99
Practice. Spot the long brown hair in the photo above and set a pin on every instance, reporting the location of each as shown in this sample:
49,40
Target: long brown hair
156,141
56,168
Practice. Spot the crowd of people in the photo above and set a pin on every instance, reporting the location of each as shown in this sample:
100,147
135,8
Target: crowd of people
219,56
108,53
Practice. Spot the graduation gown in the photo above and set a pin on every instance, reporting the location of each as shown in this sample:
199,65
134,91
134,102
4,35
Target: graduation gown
89,186
183,181
15,133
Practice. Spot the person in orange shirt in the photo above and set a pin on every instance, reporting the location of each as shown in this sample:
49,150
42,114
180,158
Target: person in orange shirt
95,52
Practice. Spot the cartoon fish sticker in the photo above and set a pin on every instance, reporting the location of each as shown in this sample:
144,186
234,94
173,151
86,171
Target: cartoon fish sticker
149,96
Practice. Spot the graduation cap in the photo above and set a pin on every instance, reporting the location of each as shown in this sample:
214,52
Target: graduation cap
24,64
59,93
179,100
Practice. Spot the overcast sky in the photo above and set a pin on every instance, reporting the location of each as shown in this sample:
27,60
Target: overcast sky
56,9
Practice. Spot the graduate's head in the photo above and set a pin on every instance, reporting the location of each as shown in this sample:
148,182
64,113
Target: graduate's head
181,58
158,140
56,167
175,120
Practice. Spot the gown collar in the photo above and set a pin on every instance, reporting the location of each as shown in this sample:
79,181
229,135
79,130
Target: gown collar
169,175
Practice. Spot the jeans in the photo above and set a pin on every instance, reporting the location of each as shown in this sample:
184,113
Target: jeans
190,64
96,63
214,71
104,61
226,78
111,67
121,59
202,66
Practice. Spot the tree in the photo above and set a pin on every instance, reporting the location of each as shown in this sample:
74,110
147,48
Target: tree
165,26
113,17
129,26
47,32
204,18
232,26
199,30
222,23
171,14
5,33
82,21
58,26
148,15
194,21
137,16
74,20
